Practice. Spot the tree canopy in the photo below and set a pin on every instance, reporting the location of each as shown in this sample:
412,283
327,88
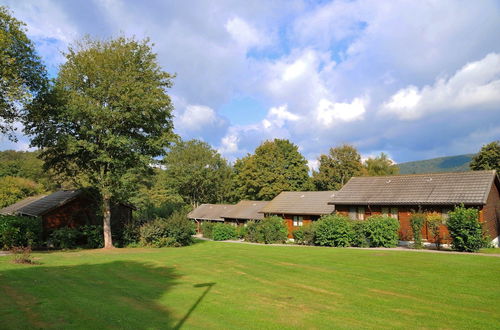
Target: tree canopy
196,172
380,165
22,74
106,117
336,168
488,158
275,166
14,189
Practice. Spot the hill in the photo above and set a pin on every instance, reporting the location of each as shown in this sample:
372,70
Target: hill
458,163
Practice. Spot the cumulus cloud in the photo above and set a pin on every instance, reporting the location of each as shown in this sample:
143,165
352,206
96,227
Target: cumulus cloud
244,33
329,113
475,85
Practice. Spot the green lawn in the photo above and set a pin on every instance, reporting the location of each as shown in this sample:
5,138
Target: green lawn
223,285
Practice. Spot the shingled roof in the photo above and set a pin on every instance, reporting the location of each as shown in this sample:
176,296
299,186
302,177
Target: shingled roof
43,205
469,188
248,210
212,212
12,209
301,202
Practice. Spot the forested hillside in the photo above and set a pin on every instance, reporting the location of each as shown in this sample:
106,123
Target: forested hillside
458,163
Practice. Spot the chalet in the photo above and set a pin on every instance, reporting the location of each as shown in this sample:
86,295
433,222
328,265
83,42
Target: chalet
66,208
299,208
400,195
208,212
244,211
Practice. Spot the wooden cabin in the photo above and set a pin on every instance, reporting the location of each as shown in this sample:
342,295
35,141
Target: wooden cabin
208,213
400,195
299,208
244,211
66,208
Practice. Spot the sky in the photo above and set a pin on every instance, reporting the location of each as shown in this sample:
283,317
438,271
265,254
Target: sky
413,79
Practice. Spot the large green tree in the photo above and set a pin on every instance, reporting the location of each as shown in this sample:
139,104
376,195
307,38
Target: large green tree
105,119
380,165
336,168
488,158
197,172
22,74
275,166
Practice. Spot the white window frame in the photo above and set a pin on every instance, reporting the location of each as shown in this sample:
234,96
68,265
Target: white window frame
298,221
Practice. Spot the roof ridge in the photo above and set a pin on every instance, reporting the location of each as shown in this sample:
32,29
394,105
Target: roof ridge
426,174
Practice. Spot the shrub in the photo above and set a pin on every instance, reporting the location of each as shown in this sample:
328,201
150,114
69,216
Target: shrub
434,222
180,228
417,221
273,230
64,238
269,230
253,233
465,229
177,227
304,235
358,237
93,236
22,255
130,234
223,231
382,231
166,242
241,231
333,230
206,229
20,231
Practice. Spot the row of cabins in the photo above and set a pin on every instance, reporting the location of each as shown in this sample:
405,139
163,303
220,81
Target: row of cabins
396,196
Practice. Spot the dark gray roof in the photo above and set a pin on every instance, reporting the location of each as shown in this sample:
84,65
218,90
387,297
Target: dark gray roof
301,202
247,210
212,212
12,209
469,188
48,203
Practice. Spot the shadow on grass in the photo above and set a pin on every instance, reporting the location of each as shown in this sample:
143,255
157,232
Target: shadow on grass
120,294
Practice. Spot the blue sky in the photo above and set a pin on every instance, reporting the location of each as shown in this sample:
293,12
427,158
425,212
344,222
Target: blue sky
414,79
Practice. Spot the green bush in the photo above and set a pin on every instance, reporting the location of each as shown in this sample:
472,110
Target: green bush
382,231
241,231
130,234
333,230
417,221
223,232
206,229
180,228
304,235
64,238
465,229
434,222
20,231
93,236
358,238
166,242
269,230
273,230
177,227
253,233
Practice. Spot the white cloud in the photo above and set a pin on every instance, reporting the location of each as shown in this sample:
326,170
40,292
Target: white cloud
229,144
197,118
329,113
475,85
278,116
243,33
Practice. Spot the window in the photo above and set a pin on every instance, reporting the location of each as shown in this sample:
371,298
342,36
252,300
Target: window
297,221
385,211
444,214
394,212
361,213
353,213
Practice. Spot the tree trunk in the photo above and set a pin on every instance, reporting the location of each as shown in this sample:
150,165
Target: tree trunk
108,241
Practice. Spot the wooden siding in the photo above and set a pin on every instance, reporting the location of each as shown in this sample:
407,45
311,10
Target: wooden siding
490,215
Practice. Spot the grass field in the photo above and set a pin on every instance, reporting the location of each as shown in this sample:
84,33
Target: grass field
222,285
